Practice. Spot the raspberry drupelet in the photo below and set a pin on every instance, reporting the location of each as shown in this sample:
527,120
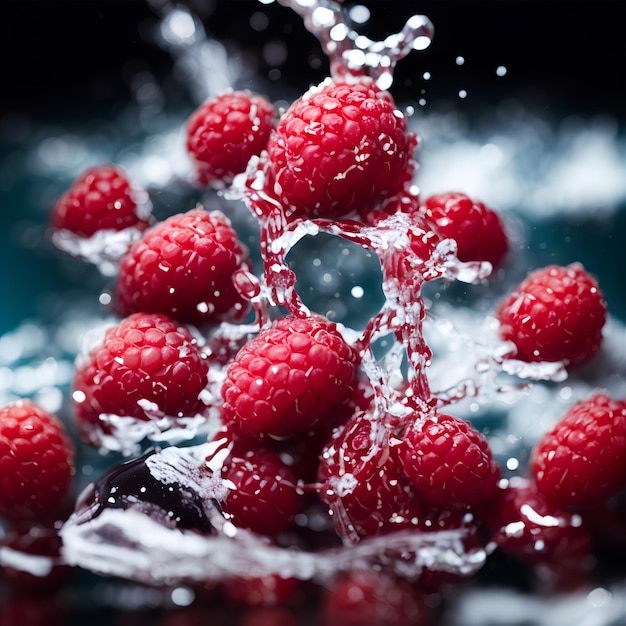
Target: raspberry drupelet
102,198
555,314
36,462
294,376
225,131
146,367
340,149
183,267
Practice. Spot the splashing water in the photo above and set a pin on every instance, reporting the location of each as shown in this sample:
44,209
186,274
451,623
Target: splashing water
352,54
125,537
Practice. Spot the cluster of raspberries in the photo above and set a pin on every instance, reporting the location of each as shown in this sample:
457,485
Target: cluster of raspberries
300,426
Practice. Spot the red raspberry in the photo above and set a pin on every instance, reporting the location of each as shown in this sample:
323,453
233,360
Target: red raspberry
146,367
291,378
42,543
340,148
263,495
183,267
262,591
539,532
102,198
371,598
449,463
225,131
555,314
582,460
363,483
36,462
477,229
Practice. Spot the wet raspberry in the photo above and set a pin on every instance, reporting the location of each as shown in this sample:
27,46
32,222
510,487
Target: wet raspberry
183,267
101,198
341,148
36,462
449,463
225,131
555,314
291,378
581,461
146,367
262,489
477,229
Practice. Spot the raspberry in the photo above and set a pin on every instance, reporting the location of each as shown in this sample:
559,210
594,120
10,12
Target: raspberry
363,483
291,378
102,198
449,463
262,591
539,532
582,460
262,492
183,267
146,367
339,149
225,131
371,598
36,461
477,229
555,314
41,543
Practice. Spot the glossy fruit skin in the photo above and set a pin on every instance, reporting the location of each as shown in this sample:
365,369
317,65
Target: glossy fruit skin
225,131
581,461
101,198
183,267
449,463
342,148
36,462
291,378
556,313
477,229
147,366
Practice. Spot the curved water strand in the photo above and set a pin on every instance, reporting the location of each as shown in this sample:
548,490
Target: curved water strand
352,54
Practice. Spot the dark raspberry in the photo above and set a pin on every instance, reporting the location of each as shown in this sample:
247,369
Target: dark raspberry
373,598
540,532
262,489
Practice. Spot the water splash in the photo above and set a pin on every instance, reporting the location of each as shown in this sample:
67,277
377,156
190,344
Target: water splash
187,555
351,54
